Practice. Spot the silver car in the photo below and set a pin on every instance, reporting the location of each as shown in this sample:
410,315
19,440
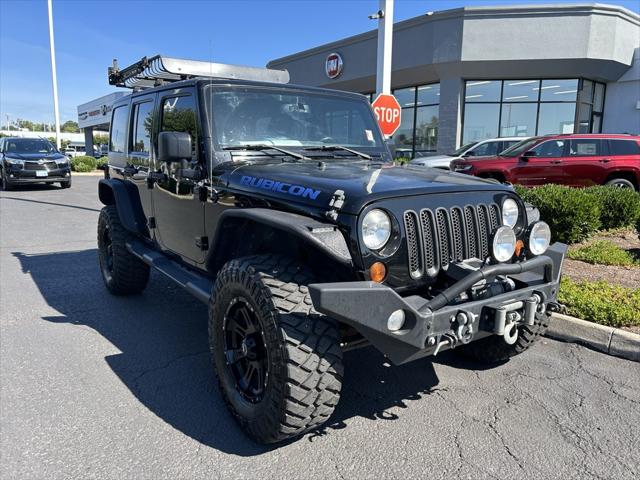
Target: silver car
482,148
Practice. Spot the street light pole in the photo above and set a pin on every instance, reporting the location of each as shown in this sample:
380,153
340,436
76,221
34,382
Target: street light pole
53,74
385,41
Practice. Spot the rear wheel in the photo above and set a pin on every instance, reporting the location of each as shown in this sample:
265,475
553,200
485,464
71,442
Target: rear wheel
123,273
278,361
621,183
495,349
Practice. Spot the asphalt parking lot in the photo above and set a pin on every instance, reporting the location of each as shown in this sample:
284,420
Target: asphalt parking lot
99,386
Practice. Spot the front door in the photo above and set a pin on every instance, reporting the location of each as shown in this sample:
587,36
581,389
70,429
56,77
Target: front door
546,165
178,212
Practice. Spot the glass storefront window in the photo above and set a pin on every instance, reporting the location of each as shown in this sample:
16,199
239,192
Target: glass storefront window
520,90
429,94
403,138
584,118
559,90
598,97
518,120
556,118
586,91
426,136
480,121
406,97
483,91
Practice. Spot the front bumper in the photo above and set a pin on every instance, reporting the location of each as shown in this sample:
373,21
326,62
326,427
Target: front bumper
367,306
22,176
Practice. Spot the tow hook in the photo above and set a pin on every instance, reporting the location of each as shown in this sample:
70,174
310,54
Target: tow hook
508,317
461,332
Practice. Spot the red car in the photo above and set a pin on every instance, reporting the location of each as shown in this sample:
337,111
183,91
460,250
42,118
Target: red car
576,160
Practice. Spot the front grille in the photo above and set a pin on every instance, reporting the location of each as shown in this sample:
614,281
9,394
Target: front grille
40,166
448,236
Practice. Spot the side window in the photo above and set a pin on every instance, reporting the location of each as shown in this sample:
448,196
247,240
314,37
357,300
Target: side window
486,149
584,147
141,128
624,147
118,129
508,144
551,148
179,115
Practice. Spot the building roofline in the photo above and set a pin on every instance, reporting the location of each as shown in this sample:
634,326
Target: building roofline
469,12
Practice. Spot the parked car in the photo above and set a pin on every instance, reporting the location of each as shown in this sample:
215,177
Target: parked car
482,148
32,160
74,151
576,160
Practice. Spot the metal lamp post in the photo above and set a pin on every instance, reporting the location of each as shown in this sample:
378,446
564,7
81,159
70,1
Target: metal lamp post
53,74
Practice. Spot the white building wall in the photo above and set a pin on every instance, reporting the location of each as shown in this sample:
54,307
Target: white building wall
622,101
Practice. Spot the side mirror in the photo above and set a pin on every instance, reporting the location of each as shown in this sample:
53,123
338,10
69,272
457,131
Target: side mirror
529,153
174,146
470,153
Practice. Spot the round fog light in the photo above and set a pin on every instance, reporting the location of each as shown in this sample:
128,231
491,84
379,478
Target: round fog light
396,321
504,244
539,238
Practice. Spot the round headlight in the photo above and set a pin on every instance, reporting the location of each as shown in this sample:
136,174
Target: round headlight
539,238
510,212
504,244
376,229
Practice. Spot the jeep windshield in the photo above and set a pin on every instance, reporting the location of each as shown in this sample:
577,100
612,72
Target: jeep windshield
29,145
245,116
519,148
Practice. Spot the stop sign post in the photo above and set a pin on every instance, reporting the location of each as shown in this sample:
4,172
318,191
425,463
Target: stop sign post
388,113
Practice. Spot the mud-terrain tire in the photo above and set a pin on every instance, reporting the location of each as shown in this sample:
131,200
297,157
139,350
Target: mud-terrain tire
494,349
294,384
123,273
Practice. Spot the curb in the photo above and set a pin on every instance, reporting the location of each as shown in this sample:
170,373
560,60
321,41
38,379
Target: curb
609,340
98,173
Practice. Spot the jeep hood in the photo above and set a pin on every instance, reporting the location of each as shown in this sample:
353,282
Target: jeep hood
314,183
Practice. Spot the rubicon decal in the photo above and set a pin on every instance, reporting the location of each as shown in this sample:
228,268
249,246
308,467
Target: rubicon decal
282,187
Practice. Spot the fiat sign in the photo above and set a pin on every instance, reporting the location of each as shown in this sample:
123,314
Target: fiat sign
387,110
333,65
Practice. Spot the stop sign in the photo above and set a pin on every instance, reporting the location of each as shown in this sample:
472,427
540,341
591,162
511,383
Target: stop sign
387,110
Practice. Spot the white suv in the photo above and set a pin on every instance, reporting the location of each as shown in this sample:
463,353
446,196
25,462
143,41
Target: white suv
482,148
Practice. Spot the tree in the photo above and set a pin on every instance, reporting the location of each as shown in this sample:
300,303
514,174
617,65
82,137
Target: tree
70,127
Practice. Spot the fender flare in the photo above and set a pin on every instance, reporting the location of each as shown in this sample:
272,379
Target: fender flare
324,236
124,196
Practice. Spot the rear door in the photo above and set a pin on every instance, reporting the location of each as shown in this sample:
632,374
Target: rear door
587,161
545,166
625,155
140,156
178,211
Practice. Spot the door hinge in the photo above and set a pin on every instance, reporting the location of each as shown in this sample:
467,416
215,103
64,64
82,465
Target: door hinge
202,243
151,222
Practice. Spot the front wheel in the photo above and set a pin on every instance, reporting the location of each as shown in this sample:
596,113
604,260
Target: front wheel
278,361
495,349
66,184
4,182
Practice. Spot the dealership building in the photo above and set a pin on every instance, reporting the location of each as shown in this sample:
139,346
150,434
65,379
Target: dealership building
479,72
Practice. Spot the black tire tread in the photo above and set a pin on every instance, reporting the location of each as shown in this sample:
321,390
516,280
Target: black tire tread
311,357
130,274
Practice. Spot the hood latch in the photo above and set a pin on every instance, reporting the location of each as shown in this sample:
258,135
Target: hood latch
335,205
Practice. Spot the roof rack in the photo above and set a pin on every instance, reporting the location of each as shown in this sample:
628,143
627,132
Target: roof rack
153,71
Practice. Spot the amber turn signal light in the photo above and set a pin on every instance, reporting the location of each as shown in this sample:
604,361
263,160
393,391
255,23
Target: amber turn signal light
519,248
377,272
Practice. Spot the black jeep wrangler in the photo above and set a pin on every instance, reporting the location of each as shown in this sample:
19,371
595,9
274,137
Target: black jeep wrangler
280,207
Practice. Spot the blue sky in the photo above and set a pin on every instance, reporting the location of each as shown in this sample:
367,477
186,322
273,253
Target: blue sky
89,34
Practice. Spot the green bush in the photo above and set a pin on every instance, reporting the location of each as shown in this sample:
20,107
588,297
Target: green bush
83,163
102,161
601,302
619,207
603,252
572,213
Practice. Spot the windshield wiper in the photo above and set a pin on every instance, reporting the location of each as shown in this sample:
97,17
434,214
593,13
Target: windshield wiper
260,148
334,148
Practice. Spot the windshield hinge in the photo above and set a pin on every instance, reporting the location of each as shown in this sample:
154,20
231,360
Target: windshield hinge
335,204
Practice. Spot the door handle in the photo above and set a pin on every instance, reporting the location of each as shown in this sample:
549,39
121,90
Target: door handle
605,160
555,162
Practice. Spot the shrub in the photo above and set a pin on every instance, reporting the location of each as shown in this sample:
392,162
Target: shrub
101,162
83,163
619,207
572,213
601,302
603,252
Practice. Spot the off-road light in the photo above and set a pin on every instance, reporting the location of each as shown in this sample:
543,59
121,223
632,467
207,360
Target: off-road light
539,238
376,229
510,212
504,244
396,320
